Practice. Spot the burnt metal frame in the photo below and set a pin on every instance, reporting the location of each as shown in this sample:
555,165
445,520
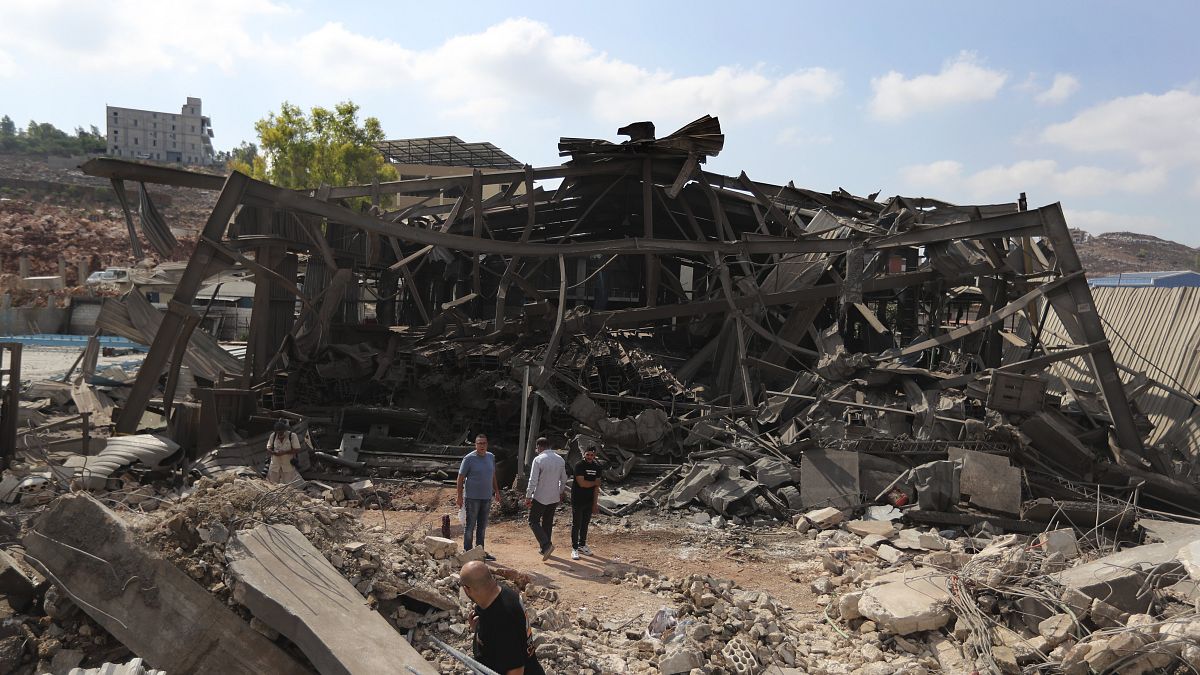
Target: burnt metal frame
1047,222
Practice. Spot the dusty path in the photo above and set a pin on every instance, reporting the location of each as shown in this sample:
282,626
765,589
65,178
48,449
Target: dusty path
649,545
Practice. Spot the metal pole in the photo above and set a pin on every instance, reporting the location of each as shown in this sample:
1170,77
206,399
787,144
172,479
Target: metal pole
534,429
524,430
475,666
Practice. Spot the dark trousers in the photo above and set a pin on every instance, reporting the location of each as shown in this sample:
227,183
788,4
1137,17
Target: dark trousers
476,522
581,515
541,519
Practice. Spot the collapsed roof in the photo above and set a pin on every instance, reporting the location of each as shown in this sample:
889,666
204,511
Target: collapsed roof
761,296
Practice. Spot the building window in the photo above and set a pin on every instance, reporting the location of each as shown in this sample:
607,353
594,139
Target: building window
193,128
135,122
172,127
137,141
154,143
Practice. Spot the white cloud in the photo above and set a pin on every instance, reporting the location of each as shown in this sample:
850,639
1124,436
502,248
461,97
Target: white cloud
8,67
1042,175
1095,222
1156,130
141,36
1063,87
794,136
962,80
521,63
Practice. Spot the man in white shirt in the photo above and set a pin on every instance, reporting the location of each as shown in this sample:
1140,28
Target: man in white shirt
547,487
282,446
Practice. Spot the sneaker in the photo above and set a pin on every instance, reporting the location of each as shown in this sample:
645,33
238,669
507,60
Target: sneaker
574,554
585,550
547,552
489,557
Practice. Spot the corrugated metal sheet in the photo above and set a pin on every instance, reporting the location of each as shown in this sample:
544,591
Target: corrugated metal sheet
1151,330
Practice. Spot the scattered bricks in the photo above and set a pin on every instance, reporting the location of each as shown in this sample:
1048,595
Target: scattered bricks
439,547
825,518
1062,542
1058,629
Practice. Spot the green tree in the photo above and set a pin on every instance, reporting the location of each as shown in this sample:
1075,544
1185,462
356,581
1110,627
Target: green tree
242,158
44,138
325,146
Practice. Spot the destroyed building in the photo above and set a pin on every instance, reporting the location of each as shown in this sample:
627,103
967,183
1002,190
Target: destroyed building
657,307
761,352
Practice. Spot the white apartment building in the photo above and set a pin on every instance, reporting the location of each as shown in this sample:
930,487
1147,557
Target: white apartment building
183,138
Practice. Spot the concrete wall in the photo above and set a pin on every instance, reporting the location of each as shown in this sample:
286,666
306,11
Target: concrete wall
25,320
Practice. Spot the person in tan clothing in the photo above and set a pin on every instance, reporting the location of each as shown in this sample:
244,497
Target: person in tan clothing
282,446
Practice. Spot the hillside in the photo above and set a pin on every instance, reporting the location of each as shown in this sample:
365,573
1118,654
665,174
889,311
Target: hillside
1114,252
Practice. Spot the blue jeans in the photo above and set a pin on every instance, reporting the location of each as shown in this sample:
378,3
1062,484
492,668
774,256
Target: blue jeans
477,517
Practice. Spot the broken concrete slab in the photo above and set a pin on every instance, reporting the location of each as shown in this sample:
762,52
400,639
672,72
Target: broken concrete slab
1120,579
863,528
144,601
698,477
288,585
830,478
989,481
912,602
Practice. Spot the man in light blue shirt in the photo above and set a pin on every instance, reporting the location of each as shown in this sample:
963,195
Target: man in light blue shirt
547,486
477,474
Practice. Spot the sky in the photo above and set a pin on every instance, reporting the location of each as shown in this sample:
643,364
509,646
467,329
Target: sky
1092,104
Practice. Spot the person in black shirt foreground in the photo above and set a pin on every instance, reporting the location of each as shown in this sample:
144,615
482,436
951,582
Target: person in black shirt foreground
585,501
503,641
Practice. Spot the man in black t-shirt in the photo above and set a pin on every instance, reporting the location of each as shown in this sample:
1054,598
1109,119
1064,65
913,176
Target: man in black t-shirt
503,641
585,500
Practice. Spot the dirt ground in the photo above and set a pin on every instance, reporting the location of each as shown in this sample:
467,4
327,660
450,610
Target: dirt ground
646,542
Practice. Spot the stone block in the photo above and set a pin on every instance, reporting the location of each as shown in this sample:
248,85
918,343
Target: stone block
825,518
1058,629
1062,542
913,602
440,547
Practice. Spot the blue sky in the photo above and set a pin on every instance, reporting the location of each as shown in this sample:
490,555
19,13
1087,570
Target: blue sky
1094,104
